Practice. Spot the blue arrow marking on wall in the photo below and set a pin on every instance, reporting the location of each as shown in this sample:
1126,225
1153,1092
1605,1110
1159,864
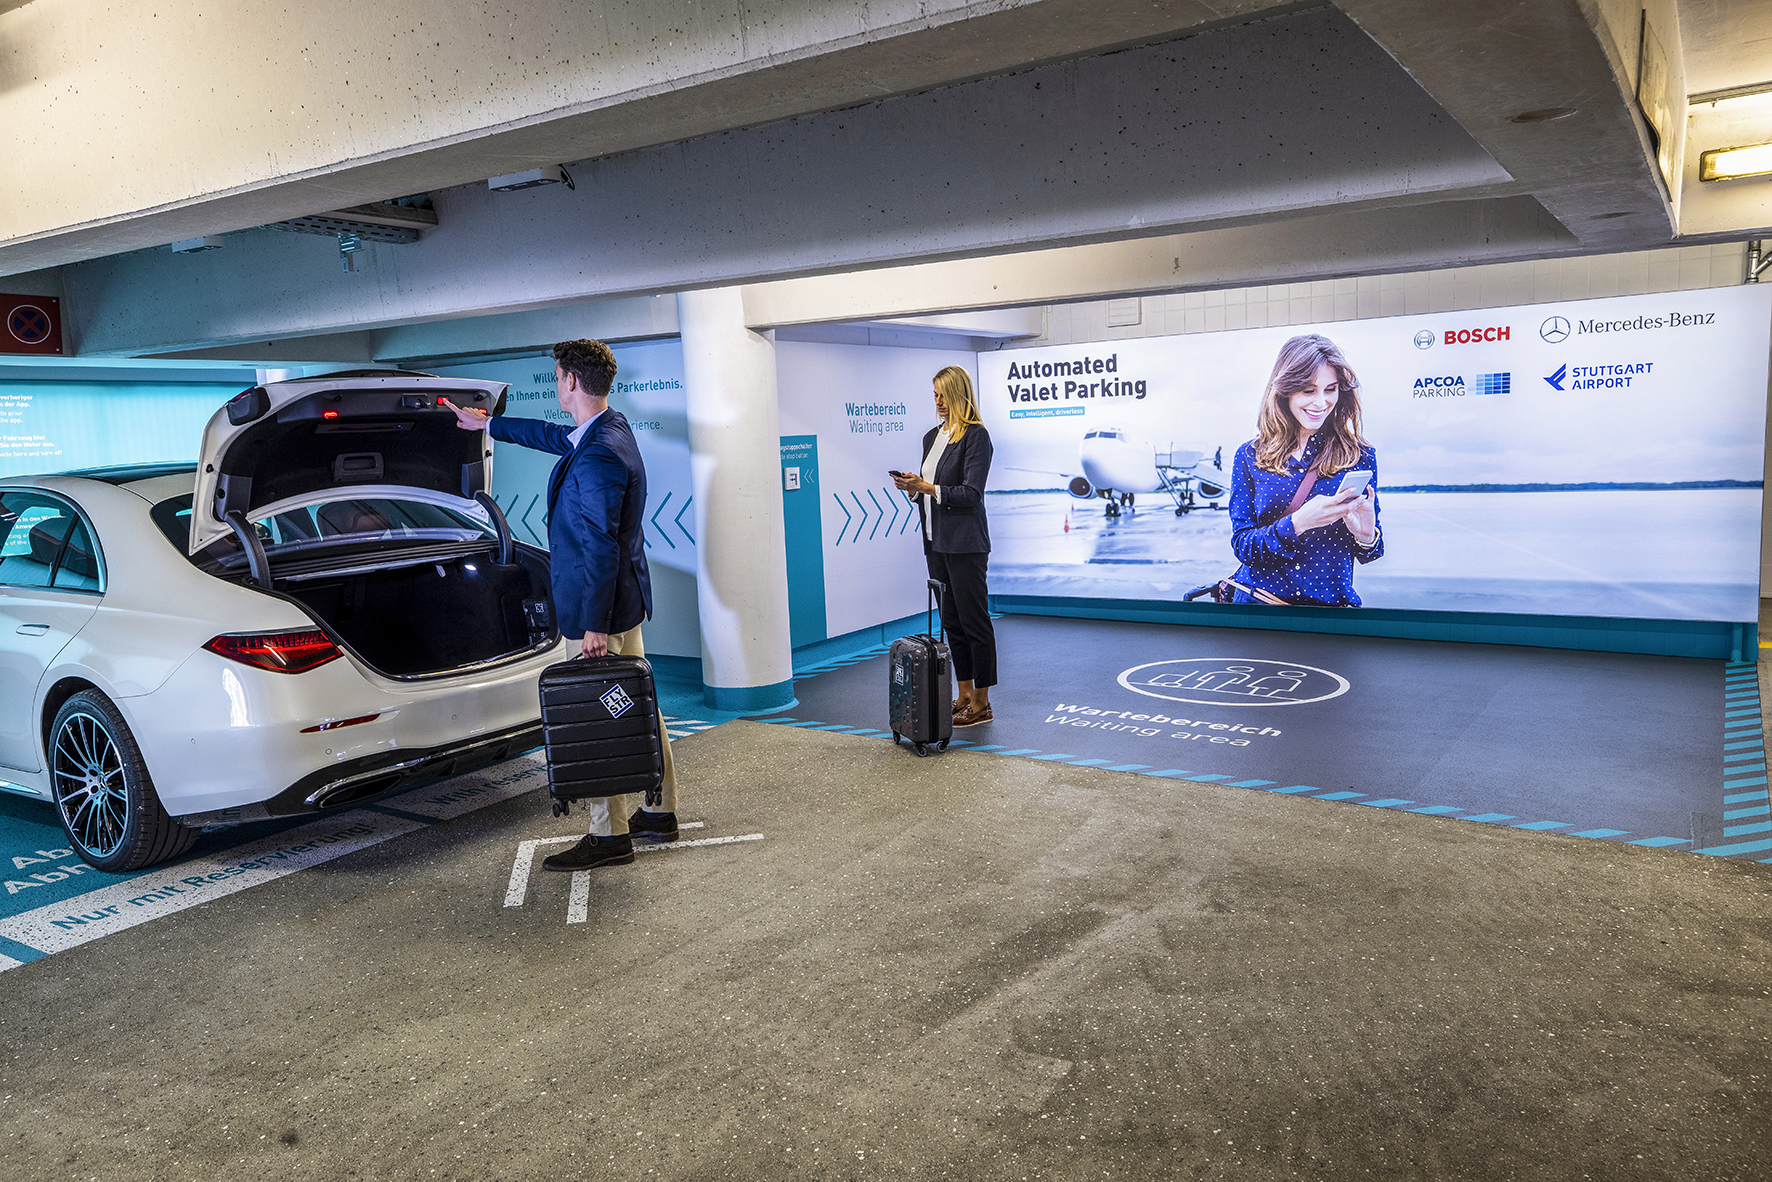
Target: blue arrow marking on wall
847,518
657,526
909,517
679,520
864,516
877,520
895,508
533,502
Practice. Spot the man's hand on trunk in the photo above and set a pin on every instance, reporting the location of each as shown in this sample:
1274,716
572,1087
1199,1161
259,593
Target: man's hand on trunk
595,644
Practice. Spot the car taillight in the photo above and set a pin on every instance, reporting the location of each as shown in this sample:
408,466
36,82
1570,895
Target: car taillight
280,652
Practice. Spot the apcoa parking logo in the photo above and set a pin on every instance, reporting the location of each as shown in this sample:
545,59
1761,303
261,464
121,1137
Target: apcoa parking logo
1234,681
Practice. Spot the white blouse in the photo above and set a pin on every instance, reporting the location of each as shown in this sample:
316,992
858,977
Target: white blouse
929,463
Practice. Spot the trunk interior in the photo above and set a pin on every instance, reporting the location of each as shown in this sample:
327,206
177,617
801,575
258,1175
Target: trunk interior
431,618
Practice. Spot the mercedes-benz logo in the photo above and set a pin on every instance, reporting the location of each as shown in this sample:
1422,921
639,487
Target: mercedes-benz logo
1555,330
1424,339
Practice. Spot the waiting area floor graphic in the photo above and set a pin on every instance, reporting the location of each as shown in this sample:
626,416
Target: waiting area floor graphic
1653,751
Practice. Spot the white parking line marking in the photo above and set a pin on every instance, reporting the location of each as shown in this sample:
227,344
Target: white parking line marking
579,905
518,888
6,962
687,845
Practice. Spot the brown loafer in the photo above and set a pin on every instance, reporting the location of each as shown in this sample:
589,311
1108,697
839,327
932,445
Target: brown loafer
972,717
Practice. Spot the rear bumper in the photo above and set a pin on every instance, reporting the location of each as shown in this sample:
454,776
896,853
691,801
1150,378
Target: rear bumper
360,781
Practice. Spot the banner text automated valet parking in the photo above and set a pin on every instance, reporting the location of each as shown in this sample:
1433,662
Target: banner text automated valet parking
1026,384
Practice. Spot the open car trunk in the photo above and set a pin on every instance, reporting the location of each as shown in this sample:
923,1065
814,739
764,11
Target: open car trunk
423,618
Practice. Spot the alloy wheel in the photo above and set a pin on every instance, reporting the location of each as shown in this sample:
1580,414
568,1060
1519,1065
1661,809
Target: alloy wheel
90,786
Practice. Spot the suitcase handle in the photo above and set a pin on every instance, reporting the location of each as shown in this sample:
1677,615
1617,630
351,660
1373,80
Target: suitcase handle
936,590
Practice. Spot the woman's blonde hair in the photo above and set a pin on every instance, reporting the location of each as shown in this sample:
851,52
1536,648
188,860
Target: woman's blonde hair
1276,431
955,386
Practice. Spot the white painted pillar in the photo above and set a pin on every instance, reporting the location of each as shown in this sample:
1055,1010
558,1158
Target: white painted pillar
740,549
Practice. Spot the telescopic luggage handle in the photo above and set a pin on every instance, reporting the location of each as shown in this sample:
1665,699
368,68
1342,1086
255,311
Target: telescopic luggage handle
936,590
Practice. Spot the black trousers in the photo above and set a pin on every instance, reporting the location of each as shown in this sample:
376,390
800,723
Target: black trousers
966,612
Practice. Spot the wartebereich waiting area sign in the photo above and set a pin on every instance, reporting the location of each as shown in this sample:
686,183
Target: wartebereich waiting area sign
1593,458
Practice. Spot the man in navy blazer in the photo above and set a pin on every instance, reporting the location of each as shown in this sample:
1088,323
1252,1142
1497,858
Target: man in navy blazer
597,554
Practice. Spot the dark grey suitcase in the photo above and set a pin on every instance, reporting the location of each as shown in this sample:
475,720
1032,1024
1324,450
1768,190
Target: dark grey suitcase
920,695
599,718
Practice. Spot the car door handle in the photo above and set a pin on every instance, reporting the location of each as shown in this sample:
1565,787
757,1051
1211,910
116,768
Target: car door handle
32,629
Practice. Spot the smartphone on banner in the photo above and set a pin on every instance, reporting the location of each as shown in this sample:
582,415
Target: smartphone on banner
1354,482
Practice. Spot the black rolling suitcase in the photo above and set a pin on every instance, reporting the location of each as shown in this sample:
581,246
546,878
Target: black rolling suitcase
921,693
599,716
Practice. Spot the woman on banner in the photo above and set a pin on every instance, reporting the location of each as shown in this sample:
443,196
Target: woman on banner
956,538
1304,504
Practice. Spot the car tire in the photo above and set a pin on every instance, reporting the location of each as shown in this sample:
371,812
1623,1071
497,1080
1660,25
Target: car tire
104,797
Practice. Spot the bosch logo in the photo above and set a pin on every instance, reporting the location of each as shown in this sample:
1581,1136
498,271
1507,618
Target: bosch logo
1476,336
1555,330
1424,339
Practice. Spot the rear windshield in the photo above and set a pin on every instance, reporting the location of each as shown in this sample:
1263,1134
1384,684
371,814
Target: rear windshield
346,521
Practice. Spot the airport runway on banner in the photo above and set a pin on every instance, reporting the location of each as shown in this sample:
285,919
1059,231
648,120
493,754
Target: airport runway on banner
1653,751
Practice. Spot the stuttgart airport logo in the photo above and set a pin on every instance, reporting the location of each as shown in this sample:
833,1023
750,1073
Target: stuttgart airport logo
1555,330
1234,681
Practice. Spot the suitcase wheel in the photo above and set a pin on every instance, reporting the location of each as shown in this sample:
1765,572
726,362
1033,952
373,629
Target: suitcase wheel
942,746
560,807
921,749
895,738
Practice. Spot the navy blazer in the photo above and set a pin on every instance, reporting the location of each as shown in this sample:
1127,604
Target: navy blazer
960,525
596,507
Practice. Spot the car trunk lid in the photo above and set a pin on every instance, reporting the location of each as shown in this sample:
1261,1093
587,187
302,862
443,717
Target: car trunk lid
284,441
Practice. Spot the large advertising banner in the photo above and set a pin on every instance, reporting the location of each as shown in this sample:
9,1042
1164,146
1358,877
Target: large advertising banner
1588,458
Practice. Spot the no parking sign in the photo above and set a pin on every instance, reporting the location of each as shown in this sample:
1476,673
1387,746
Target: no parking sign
30,324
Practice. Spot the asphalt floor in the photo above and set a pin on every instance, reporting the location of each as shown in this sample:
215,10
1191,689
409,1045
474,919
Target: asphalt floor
967,966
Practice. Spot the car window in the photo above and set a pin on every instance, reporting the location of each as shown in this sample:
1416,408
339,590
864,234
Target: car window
328,523
46,544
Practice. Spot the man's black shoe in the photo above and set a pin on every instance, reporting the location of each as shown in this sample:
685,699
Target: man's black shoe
592,852
654,827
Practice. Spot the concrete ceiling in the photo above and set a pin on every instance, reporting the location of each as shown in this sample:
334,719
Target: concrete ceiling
1727,43
780,139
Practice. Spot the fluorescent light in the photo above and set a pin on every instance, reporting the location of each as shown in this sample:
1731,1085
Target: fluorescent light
1725,164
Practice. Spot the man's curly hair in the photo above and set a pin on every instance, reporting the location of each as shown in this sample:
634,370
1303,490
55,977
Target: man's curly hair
591,362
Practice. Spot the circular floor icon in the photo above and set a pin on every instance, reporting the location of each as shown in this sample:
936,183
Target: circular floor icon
1234,681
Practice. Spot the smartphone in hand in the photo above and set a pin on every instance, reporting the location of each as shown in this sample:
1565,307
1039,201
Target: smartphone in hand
1354,482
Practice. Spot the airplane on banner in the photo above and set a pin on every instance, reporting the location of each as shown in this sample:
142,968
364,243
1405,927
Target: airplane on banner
1117,467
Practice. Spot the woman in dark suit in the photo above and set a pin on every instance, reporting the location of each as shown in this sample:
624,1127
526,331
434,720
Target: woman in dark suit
956,538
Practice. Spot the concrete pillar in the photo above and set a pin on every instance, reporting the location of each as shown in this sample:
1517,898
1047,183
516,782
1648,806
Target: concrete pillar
740,551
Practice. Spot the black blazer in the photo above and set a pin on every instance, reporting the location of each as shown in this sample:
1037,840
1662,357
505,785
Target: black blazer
596,499
960,525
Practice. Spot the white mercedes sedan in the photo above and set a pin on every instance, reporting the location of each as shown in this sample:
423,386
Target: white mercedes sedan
329,607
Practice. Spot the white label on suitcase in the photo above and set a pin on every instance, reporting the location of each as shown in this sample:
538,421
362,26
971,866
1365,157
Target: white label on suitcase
898,674
616,701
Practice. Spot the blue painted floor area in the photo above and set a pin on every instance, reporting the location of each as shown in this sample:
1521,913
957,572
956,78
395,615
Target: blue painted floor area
39,867
1653,751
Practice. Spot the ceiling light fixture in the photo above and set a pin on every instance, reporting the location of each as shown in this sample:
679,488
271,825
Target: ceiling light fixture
531,178
1728,164
1733,96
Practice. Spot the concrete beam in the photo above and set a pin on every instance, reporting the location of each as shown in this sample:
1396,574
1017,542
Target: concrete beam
135,125
1331,246
1484,64
1285,117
